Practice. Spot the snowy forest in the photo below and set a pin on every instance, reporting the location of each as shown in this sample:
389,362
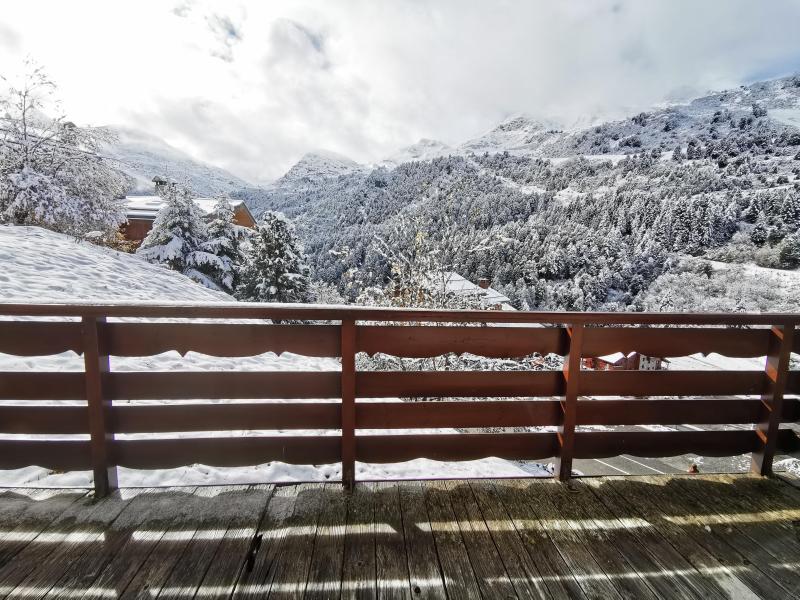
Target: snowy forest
586,232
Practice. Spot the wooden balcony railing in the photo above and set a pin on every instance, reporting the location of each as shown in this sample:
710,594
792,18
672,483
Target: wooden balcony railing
551,397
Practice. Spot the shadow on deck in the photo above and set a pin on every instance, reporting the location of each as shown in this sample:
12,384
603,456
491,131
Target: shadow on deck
635,537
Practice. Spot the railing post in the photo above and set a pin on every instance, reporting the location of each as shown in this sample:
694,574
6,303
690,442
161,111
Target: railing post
777,373
348,382
96,366
569,405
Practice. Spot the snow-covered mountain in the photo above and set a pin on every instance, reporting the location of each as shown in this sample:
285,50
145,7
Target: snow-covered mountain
518,134
316,166
773,104
143,156
425,149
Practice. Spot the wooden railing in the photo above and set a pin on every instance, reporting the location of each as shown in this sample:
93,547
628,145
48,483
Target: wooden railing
698,398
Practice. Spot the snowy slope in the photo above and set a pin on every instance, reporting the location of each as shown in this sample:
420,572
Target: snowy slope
40,265
143,156
730,288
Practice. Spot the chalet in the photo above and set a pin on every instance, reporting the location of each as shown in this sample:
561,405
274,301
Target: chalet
141,211
633,361
490,298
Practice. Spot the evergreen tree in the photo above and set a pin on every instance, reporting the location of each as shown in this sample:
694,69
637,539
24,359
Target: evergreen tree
274,269
224,243
178,235
758,235
790,251
790,209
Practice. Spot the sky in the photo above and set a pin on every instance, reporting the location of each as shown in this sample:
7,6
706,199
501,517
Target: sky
252,86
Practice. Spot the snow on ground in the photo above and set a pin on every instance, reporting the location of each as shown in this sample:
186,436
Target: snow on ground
39,265
714,362
42,266
787,116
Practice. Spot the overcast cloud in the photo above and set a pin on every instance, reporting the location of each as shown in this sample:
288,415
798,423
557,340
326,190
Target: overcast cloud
251,86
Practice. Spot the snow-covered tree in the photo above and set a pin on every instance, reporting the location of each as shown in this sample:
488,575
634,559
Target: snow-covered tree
789,251
51,172
225,239
178,236
275,268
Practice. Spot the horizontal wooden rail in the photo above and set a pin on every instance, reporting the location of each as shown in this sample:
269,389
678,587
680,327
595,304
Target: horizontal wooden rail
324,417
670,342
226,451
216,385
244,310
171,418
492,342
216,339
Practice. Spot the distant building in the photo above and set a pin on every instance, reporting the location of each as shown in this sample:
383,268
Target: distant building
141,211
489,298
632,361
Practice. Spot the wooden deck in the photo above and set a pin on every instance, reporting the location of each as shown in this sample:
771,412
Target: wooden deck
634,537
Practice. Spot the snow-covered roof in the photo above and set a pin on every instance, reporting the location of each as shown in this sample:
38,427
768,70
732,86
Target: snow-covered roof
147,207
618,356
457,284
613,358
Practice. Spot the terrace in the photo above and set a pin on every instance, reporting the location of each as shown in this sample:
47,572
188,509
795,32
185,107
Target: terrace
727,535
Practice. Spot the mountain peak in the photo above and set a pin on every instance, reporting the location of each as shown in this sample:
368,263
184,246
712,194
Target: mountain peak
316,165
517,132
424,149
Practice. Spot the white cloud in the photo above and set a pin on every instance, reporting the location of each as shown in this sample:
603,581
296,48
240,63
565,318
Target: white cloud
251,86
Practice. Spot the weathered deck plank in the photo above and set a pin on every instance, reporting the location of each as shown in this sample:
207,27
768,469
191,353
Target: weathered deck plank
754,545
656,507
46,558
294,558
425,577
555,571
604,539
620,534
685,537
391,561
175,537
325,573
260,567
220,506
459,574
231,557
691,583
490,572
543,516
155,511
523,572
359,570
30,513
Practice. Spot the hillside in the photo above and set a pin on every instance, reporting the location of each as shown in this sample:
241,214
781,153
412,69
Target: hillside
143,156
578,219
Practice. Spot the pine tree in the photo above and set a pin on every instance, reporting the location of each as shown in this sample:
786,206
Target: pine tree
790,251
177,237
274,269
224,243
758,235
790,209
